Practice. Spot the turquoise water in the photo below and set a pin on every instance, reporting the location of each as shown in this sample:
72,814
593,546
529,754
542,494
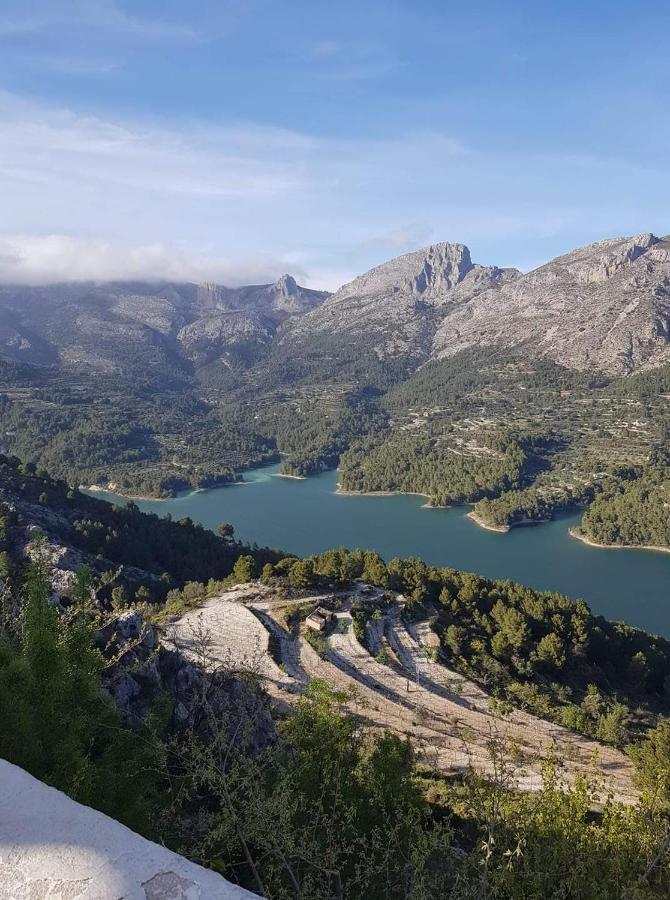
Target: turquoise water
308,517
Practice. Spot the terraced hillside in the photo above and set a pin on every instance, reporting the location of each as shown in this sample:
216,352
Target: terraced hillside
393,679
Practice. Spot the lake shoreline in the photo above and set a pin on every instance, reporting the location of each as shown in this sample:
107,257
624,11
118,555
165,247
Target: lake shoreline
150,498
344,492
578,536
310,519
504,529
98,489
499,529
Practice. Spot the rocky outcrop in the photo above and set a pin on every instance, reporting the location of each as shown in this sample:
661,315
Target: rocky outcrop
603,307
51,846
276,301
231,336
140,670
44,532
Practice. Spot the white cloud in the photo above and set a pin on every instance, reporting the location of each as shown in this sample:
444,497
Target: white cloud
56,258
87,197
107,14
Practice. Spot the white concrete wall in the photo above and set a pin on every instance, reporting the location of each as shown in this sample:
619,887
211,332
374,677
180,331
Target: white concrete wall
53,847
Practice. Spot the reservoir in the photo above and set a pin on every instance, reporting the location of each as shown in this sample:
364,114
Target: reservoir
309,516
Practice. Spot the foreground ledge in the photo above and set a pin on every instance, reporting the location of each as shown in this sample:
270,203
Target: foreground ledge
51,846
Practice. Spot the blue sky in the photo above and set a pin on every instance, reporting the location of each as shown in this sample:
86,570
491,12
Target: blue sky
238,139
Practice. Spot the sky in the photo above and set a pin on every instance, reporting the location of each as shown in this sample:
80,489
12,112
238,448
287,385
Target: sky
235,140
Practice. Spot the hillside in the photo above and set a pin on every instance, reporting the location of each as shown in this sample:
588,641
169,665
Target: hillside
430,699
605,307
130,550
103,382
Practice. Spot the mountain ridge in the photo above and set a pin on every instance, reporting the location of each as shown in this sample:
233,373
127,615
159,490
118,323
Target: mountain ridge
604,306
97,323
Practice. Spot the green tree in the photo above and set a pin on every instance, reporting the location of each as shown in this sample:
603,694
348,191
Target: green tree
652,760
244,569
226,530
301,573
551,651
267,572
59,725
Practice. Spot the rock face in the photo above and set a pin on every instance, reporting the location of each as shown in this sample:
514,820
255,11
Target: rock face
141,670
51,846
395,308
604,307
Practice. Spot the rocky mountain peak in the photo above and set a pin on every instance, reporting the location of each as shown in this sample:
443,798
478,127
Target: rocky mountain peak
444,266
425,273
394,308
286,286
605,306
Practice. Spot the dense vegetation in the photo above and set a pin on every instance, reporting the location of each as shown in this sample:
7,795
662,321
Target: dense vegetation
312,438
530,505
56,722
633,510
633,513
157,444
327,810
604,440
419,464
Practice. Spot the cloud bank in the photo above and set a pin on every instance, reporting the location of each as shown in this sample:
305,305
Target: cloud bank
58,258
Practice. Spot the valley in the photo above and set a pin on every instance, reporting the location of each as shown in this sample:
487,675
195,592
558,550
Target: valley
334,451
171,664
155,389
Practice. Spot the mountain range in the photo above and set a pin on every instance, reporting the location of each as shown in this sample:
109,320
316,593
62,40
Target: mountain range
100,326
603,307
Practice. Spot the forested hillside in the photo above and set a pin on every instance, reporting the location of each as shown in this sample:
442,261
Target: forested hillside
134,551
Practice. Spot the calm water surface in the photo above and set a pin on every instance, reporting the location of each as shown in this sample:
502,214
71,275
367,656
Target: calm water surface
308,516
